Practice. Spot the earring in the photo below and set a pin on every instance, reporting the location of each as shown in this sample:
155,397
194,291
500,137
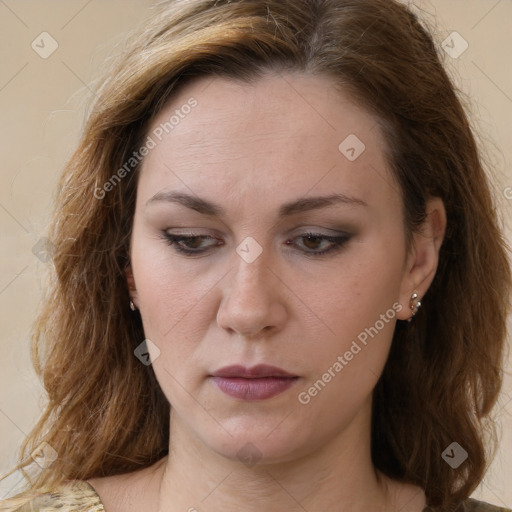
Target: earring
414,304
132,306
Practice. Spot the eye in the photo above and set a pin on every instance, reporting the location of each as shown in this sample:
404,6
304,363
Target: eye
189,244
314,244
312,241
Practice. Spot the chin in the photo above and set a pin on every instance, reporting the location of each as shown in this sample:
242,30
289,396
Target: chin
252,442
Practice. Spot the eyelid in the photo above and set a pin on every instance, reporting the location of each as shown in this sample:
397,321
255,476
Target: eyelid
293,233
187,236
337,242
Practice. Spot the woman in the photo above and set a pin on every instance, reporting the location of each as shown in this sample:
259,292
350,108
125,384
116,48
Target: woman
280,279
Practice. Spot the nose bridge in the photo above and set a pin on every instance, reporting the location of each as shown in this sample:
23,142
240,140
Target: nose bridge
250,270
251,302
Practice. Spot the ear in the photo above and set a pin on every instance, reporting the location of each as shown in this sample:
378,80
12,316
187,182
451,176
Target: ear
422,262
131,285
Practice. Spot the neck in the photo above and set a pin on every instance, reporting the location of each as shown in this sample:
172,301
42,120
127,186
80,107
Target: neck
339,475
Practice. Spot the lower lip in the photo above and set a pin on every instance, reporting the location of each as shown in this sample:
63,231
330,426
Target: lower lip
254,389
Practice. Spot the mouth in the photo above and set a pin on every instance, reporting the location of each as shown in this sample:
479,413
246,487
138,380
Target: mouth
259,382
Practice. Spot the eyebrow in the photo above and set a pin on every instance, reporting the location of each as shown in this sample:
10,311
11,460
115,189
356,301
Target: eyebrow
300,205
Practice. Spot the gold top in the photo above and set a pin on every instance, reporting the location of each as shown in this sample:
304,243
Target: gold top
73,496
80,496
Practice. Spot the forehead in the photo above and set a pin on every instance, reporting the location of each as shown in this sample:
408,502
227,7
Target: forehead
282,135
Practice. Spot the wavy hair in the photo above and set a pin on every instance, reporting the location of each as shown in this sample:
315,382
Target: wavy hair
106,413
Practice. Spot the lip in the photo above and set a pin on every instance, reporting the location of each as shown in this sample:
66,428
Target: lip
259,382
258,371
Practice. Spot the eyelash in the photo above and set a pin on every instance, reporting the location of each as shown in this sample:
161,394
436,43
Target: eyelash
337,241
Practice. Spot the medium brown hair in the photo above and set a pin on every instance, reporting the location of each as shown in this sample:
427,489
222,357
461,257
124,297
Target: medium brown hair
106,413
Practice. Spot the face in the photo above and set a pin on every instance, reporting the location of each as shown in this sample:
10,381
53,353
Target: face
265,233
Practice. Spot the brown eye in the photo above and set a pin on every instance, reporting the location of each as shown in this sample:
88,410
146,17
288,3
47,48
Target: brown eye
194,242
312,242
189,244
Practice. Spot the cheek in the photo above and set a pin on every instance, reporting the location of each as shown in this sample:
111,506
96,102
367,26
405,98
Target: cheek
171,308
358,316
328,310
177,303
166,294
364,286
345,366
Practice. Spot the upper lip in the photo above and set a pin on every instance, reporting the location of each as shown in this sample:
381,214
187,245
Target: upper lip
254,372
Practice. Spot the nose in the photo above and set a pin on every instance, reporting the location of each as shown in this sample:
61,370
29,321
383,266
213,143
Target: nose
253,301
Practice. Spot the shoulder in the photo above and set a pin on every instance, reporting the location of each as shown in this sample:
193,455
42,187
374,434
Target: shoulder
471,505
71,496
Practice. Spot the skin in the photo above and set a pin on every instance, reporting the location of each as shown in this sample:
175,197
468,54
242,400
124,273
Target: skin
250,148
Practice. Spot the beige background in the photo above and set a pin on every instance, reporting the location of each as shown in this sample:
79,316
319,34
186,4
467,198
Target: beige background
43,103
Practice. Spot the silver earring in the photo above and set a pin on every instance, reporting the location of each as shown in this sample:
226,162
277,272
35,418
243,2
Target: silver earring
132,306
414,305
